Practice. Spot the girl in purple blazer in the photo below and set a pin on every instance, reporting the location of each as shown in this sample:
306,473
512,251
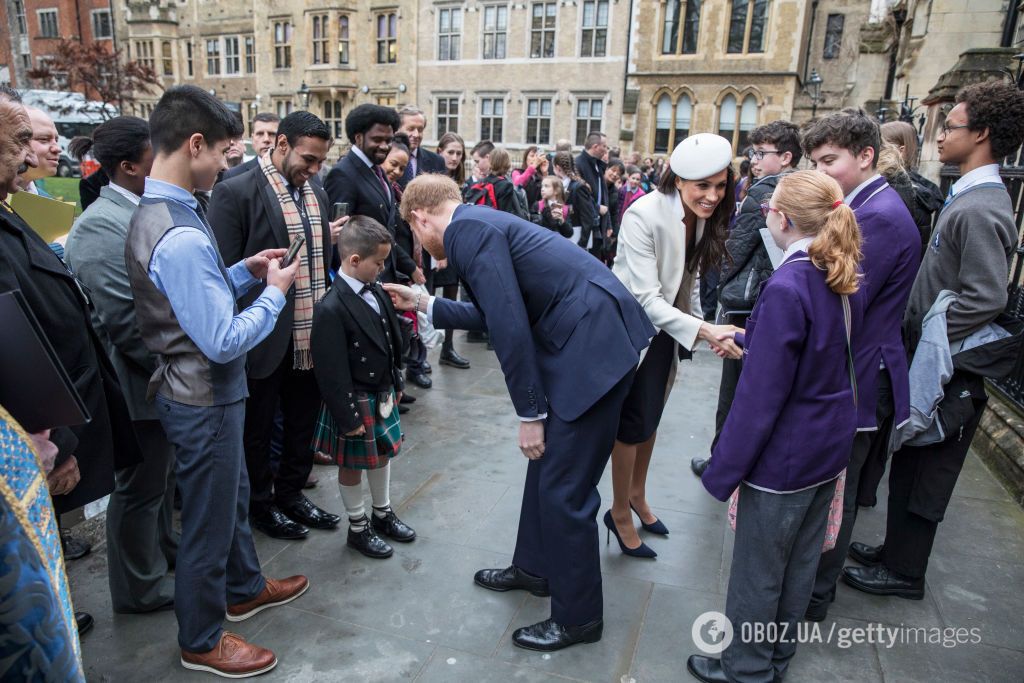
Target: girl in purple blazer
788,434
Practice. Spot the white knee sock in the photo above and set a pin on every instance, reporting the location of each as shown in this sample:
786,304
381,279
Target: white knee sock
352,498
380,485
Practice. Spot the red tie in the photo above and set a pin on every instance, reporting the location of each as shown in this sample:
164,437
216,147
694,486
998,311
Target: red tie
380,175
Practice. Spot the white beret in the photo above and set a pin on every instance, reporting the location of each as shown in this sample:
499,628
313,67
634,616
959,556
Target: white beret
700,156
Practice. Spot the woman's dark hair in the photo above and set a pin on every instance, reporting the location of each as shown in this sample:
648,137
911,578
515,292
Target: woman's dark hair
125,138
999,107
526,155
185,110
401,142
617,163
459,174
710,250
366,116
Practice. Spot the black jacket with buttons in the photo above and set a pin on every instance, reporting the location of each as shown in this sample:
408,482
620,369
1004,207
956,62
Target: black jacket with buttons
354,349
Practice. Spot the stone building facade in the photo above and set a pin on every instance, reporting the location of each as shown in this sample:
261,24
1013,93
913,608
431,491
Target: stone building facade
29,30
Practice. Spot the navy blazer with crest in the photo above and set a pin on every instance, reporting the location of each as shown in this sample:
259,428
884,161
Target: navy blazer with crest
353,182
246,217
565,330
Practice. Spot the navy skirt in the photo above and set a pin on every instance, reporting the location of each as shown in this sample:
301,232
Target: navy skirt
645,402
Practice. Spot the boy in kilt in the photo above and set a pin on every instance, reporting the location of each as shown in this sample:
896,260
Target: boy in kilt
357,358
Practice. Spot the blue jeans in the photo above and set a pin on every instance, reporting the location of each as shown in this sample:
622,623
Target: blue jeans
217,564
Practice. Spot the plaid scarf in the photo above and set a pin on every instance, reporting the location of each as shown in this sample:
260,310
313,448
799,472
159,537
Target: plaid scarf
308,288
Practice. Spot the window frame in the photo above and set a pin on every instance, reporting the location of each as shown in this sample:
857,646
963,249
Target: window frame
492,118
544,31
539,119
749,20
589,120
320,39
213,59
21,18
344,39
48,12
167,58
596,29
833,43
444,121
673,134
739,135
93,17
450,38
249,45
229,58
189,59
387,43
499,31
282,42
333,116
687,16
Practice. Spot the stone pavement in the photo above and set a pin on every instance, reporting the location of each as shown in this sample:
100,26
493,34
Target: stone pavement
418,616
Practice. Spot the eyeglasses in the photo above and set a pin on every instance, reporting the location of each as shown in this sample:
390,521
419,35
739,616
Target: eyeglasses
946,129
765,210
759,153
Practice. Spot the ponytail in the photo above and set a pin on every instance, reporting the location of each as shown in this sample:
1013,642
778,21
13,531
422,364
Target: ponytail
836,249
79,146
813,202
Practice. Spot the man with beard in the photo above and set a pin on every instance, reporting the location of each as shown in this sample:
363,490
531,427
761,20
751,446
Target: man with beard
266,208
358,180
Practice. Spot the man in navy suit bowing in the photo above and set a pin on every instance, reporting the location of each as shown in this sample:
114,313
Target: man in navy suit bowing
550,308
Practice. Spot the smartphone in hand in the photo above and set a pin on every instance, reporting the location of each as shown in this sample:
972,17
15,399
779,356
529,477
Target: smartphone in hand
339,210
293,249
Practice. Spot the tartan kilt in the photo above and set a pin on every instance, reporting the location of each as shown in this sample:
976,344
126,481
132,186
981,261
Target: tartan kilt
370,451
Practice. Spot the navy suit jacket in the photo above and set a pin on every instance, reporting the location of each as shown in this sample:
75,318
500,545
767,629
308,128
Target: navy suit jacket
426,162
565,330
892,255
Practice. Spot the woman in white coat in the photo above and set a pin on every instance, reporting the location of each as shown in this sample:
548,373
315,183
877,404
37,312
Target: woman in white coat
666,238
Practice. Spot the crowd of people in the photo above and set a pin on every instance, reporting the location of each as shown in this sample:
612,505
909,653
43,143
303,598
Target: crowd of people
229,323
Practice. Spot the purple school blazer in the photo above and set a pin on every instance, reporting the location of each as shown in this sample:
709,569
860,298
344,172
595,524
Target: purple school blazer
792,422
892,255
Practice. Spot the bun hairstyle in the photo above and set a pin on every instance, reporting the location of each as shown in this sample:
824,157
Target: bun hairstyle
814,203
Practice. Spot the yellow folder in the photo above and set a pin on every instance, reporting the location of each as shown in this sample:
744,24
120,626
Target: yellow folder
48,217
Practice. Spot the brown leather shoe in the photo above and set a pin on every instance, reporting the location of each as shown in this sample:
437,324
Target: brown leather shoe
231,658
277,592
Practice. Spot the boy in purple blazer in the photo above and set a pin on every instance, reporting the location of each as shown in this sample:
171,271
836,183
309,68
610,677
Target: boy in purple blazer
845,147
788,434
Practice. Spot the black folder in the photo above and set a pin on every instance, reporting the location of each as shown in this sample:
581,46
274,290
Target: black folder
34,386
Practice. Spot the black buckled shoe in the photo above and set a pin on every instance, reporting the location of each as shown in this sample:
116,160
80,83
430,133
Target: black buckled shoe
707,669
303,511
368,542
273,523
452,359
881,580
510,579
698,465
392,527
420,380
549,635
867,555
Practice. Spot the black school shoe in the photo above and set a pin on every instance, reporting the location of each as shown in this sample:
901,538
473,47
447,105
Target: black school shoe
392,527
549,635
512,578
368,542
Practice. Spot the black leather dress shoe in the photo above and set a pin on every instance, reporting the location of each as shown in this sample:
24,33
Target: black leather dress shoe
273,523
454,360
407,398
303,511
707,669
881,580
74,548
816,612
549,635
392,527
402,410
476,336
698,465
369,543
867,555
420,380
84,621
512,578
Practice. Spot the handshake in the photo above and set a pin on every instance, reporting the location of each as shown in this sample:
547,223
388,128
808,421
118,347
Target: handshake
721,339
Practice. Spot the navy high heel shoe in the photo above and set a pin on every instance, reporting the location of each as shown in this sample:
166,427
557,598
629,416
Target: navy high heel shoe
642,551
655,527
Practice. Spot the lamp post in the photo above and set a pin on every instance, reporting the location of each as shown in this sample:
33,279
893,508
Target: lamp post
303,93
814,91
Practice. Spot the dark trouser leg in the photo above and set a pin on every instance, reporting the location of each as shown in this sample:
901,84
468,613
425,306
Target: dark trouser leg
921,482
864,444
726,391
567,502
217,559
300,402
260,412
415,362
450,292
140,540
778,540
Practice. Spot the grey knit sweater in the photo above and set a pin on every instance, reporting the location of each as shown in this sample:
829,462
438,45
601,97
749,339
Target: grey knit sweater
968,253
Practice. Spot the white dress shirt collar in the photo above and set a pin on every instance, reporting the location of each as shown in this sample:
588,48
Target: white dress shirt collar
357,287
127,194
799,245
982,174
856,191
359,153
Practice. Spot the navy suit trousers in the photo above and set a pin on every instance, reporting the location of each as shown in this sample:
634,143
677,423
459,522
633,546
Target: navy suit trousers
558,523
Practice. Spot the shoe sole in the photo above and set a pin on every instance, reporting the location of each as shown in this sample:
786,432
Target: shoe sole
455,365
863,561
539,594
895,592
372,557
224,674
582,641
257,610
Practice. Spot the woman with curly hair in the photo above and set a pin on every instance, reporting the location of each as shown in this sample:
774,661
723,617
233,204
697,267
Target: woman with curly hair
665,238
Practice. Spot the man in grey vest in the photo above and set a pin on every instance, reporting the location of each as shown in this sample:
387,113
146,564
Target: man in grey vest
185,304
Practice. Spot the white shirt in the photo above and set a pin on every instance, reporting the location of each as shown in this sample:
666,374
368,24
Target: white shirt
359,153
856,191
799,245
127,194
983,174
357,287
31,188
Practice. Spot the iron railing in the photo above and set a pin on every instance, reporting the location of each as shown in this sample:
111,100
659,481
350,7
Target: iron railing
1012,172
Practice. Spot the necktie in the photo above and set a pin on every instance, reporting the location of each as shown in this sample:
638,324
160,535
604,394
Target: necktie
414,163
365,289
383,181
